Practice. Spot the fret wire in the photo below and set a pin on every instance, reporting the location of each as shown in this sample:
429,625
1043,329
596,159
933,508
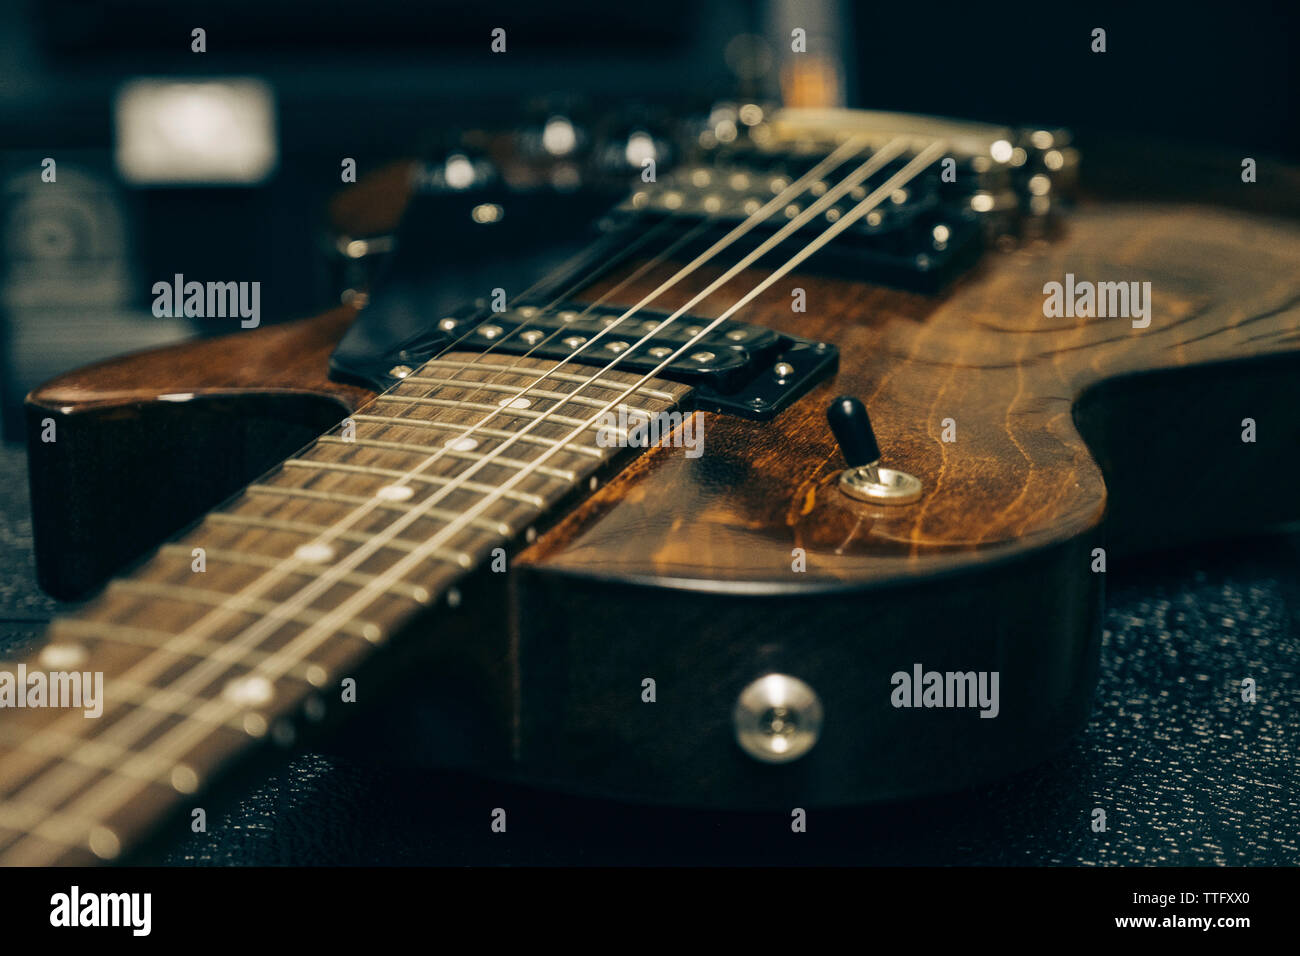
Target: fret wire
515,463
171,703
487,357
184,735
570,377
338,497
368,630
206,715
116,792
458,558
489,432
483,407
209,714
496,387
158,640
404,589
315,494
99,755
622,255
478,487
848,148
923,159
487,524
53,825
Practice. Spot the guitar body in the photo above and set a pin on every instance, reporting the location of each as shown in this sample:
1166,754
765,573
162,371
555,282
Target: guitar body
1038,440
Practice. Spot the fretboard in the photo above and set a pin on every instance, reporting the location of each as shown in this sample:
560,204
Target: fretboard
233,635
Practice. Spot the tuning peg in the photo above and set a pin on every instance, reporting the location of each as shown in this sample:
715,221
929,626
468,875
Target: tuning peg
864,479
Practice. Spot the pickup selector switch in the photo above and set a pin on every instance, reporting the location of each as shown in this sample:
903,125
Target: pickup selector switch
864,479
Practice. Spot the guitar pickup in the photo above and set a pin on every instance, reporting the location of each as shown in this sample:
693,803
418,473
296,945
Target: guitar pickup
736,368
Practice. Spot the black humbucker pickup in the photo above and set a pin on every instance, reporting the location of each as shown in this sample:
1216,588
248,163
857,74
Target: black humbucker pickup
737,368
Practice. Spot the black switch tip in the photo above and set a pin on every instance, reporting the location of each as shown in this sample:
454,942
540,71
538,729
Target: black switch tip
852,429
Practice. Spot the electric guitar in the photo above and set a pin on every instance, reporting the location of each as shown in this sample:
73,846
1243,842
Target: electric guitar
797,488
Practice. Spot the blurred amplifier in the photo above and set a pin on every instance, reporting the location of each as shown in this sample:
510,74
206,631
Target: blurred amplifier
68,289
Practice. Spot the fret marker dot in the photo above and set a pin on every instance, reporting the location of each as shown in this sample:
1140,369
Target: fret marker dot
250,691
314,553
59,657
255,725
463,443
184,779
530,535
395,492
453,598
519,402
104,843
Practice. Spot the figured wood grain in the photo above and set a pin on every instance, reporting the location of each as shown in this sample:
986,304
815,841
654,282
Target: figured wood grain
1019,482
1225,286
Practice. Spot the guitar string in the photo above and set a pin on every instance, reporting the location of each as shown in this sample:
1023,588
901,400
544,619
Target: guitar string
792,191
574,287
125,786
923,159
879,160
622,255
131,785
848,148
497,371
806,180
477,363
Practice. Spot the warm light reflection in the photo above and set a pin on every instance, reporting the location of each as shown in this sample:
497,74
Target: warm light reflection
215,131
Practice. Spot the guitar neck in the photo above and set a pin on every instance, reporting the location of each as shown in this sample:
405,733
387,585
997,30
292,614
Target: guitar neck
233,635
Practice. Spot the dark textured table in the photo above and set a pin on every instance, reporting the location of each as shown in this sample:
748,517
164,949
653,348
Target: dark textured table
1185,770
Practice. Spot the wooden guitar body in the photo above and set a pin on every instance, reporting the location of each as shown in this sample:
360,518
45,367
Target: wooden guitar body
1038,440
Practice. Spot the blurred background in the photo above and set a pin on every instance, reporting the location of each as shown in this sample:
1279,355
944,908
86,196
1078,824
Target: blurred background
221,164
